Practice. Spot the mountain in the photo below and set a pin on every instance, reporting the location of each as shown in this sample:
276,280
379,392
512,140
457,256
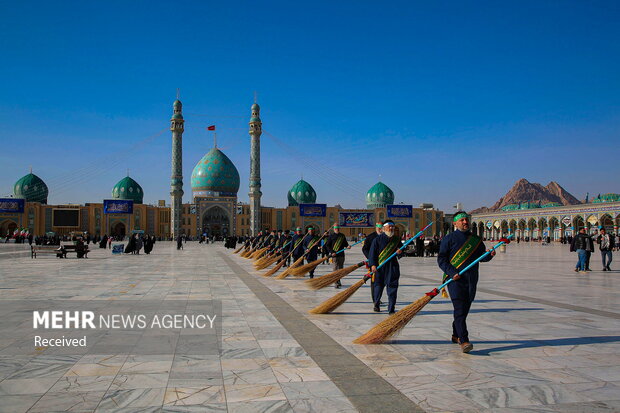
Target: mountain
524,191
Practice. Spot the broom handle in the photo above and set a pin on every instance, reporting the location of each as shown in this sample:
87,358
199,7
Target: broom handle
338,252
403,246
314,243
476,261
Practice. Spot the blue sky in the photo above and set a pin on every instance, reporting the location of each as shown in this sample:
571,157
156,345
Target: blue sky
444,102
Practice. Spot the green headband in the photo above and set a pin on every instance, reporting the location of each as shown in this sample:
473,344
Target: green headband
460,216
379,225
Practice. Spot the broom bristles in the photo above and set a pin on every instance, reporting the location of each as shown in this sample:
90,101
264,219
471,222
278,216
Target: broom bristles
238,249
288,270
246,252
268,262
274,269
393,324
332,277
257,253
305,269
336,301
262,259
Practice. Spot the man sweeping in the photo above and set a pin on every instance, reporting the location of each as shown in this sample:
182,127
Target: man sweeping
296,245
383,247
457,250
366,250
336,242
311,247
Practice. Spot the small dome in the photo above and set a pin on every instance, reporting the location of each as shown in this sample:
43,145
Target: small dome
255,107
215,172
177,103
128,189
301,193
31,188
379,196
177,116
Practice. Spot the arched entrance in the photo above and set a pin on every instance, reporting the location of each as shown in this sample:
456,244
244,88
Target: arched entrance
216,222
119,229
7,228
554,225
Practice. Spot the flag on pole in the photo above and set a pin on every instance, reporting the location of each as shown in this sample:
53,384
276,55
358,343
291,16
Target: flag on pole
212,127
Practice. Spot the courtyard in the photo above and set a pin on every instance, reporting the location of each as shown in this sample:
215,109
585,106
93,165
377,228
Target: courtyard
545,338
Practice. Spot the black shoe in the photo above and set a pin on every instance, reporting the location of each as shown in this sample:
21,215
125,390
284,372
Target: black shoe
604,269
391,312
376,309
608,269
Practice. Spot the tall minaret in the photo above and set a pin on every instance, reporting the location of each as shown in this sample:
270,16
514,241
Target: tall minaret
256,129
176,179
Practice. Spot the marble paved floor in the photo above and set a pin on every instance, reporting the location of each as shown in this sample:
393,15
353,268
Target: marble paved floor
546,339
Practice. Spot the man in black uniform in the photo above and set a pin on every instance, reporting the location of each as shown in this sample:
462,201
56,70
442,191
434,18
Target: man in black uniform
366,250
311,245
457,250
334,244
296,245
388,275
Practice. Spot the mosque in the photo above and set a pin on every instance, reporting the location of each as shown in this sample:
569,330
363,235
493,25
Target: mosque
214,209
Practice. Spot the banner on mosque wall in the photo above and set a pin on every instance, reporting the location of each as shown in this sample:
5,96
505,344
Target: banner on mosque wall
312,210
15,205
400,211
117,206
356,219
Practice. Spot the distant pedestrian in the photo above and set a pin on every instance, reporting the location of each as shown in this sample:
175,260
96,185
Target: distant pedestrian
606,244
582,243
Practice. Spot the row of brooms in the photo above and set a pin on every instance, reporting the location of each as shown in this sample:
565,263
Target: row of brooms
391,326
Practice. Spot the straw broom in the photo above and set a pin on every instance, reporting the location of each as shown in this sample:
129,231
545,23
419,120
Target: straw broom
300,260
268,262
330,305
262,259
238,249
336,301
257,253
304,269
396,322
247,251
332,277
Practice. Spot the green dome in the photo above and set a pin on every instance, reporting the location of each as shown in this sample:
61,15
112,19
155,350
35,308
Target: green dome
379,196
177,116
31,188
215,172
301,193
128,189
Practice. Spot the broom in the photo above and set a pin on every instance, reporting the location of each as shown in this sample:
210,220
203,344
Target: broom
269,259
305,269
257,253
336,301
247,251
262,259
299,260
267,263
238,249
396,322
332,277
277,267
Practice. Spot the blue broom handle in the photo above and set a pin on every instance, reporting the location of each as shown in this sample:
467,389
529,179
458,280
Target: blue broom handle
404,245
353,245
475,261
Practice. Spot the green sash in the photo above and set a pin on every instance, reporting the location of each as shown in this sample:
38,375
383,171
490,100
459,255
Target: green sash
389,249
461,256
299,240
313,241
339,242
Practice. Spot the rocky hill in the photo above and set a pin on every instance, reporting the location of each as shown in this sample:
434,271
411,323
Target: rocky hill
524,191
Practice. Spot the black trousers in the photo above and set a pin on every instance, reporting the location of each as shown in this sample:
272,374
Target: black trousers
462,294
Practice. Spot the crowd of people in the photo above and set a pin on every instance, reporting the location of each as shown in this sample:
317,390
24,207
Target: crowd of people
583,245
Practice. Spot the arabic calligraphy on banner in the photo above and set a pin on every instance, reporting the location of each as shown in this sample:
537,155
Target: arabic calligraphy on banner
356,219
312,210
400,211
15,205
117,206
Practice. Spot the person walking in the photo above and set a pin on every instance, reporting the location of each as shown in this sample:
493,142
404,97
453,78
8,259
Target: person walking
582,243
366,251
606,244
336,242
388,275
457,250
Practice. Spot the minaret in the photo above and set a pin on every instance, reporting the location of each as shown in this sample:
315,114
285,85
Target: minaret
176,179
256,129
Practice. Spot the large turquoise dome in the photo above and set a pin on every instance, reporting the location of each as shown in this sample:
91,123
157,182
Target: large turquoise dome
301,193
31,188
128,189
215,172
379,196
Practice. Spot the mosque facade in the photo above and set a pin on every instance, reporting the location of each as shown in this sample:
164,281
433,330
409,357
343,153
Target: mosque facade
214,208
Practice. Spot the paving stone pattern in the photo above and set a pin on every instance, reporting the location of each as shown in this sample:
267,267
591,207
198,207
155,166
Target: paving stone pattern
545,339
